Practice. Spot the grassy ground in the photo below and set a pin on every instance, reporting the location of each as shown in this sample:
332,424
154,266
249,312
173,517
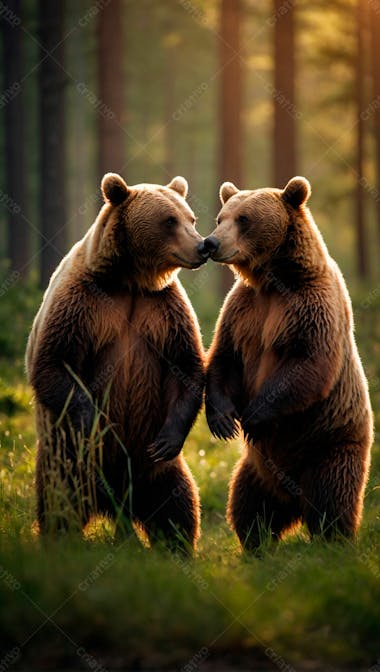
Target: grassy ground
90,604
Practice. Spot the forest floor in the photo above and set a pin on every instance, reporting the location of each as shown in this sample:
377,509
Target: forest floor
74,604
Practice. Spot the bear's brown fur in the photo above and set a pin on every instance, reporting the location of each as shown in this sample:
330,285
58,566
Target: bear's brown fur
116,363
284,364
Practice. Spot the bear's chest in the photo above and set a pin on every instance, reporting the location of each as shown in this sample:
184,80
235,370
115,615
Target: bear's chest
131,346
259,325
135,319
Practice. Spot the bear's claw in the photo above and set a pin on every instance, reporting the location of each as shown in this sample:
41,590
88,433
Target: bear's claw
164,449
223,426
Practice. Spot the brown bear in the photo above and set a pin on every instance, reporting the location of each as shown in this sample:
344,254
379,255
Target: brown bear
116,363
284,365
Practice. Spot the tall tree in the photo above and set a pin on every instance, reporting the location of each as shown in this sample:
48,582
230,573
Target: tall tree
77,57
230,100
360,72
230,146
111,87
172,42
375,108
14,116
52,81
284,135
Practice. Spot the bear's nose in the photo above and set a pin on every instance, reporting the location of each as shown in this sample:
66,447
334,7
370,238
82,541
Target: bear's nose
211,244
202,251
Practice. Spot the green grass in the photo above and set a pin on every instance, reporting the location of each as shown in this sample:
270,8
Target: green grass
75,604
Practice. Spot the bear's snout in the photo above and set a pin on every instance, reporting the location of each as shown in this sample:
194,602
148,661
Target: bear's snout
208,247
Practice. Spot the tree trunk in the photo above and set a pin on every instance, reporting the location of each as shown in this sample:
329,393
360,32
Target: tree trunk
362,256
14,116
110,85
230,161
230,104
284,136
52,137
374,110
80,140
169,128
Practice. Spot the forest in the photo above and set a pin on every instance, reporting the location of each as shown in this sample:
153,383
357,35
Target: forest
221,90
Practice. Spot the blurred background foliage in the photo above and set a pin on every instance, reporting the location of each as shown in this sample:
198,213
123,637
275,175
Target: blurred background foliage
252,92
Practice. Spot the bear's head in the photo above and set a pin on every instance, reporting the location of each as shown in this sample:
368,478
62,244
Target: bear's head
253,224
144,233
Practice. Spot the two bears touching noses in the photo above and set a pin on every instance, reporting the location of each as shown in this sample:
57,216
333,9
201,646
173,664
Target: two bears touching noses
118,370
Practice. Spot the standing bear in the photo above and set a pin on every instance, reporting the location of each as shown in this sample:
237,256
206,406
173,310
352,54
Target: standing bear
284,364
116,363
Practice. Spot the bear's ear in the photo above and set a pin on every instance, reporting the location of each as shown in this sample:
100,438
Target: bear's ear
114,188
297,191
226,191
179,184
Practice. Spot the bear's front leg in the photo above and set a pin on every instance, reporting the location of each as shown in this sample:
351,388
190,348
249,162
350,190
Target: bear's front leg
183,407
182,392
57,387
222,416
223,387
168,444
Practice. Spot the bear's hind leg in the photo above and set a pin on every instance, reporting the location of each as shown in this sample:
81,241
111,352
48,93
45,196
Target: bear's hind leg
167,505
117,504
333,491
253,512
62,504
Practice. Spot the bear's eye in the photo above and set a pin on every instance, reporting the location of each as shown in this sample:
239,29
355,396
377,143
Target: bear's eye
170,222
243,220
